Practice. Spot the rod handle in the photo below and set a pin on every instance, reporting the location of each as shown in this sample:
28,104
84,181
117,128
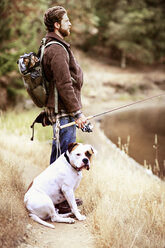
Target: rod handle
73,122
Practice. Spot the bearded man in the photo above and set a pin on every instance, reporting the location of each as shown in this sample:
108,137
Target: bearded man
65,79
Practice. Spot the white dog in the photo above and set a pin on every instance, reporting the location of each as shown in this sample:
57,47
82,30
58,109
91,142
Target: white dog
56,184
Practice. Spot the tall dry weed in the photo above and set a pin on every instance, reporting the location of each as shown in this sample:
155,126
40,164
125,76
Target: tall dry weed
13,220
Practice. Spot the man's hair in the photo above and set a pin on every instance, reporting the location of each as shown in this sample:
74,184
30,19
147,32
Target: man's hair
52,15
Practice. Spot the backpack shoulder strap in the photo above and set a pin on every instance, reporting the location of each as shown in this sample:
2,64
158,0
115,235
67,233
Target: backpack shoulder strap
44,45
56,42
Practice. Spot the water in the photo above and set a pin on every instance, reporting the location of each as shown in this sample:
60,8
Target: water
145,126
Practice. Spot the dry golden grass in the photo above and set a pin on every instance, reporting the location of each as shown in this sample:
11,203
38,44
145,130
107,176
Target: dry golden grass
124,204
25,149
12,213
16,154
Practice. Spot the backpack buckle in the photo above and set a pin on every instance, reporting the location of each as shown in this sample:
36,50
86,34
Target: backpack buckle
43,41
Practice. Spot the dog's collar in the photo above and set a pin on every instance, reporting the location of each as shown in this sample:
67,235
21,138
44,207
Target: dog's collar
74,167
67,158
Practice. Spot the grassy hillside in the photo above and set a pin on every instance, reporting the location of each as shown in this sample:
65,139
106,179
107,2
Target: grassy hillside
124,201
124,205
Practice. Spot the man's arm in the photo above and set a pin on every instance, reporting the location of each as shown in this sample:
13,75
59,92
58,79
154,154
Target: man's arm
62,79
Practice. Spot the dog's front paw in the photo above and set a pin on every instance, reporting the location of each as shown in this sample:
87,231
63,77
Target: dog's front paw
81,217
71,220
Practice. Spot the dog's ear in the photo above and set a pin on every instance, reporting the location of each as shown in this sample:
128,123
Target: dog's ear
93,150
71,146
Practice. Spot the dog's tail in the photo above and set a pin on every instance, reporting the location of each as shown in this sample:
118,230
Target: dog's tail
42,222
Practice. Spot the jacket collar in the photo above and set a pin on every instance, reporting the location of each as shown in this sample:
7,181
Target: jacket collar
52,35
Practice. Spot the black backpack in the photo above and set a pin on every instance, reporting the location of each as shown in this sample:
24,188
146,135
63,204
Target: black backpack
30,67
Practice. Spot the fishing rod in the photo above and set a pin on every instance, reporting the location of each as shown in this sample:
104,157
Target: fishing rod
113,110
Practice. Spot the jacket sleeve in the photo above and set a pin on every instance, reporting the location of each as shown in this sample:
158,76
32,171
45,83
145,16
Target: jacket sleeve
61,77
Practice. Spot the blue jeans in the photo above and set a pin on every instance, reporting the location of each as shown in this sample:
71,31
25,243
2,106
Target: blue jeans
67,136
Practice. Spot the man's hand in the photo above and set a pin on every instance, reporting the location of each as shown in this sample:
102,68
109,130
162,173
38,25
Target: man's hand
51,115
81,121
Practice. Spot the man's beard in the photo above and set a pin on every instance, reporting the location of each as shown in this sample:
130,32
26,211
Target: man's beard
64,32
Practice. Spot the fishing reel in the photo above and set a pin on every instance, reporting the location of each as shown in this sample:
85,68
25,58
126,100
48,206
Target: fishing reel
87,127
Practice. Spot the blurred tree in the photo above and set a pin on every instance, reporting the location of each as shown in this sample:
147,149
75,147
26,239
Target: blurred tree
135,28
158,28
129,30
20,26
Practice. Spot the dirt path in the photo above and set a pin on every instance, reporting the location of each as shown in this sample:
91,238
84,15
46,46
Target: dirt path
64,235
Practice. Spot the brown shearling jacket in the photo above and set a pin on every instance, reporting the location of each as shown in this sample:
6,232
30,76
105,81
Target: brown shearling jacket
58,69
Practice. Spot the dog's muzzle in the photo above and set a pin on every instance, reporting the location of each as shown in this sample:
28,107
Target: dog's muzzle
86,163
